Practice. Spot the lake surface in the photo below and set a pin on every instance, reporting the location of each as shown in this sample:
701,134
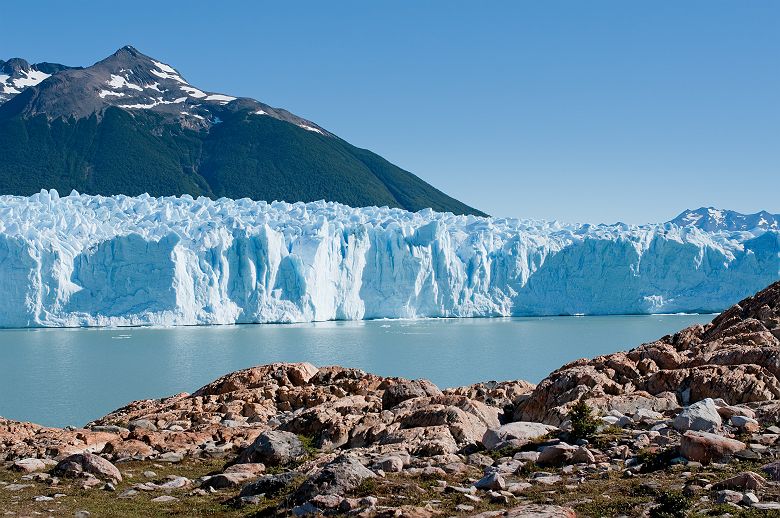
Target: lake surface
58,377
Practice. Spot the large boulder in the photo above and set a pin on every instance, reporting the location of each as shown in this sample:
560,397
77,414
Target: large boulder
707,447
519,433
556,454
398,391
343,474
700,416
87,463
273,448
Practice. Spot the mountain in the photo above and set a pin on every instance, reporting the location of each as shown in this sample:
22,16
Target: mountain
17,74
81,260
130,124
711,220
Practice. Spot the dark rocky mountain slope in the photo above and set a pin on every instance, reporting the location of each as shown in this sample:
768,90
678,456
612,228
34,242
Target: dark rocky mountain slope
130,124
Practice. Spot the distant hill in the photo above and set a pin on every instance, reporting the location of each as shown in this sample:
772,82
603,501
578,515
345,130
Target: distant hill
131,124
711,219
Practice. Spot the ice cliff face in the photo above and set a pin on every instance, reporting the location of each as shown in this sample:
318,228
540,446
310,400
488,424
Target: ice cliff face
89,261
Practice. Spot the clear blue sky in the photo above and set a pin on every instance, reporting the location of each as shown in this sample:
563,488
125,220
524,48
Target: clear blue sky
596,111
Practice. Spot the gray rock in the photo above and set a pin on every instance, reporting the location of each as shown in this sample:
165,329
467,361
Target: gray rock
701,416
142,424
391,464
492,481
530,456
583,456
726,495
749,498
273,448
29,465
164,499
268,485
556,454
171,456
338,477
772,471
400,391
79,463
307,509
767,506
109,429
520,433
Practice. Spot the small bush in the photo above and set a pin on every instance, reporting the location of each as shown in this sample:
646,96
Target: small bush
584,423
308,445
671,504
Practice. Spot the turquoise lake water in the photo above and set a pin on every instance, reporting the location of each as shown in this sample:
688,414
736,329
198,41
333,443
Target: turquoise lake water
59,377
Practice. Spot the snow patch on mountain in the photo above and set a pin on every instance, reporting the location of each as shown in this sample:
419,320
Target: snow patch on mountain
90,261
712,219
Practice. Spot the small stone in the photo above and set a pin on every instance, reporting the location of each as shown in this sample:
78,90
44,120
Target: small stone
326,501
150,474
29,465
556,454
254,468
164,499
749,498
127,494
742,481
767,506
143,424
490,481
726,495
43,498
171,456
746,424
391,464
772,471
81,514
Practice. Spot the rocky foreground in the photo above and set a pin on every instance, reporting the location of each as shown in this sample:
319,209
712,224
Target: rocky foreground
685,425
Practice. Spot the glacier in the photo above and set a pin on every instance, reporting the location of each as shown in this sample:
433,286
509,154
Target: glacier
82,260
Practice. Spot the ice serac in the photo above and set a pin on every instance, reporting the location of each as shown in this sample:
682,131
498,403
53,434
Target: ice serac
90,261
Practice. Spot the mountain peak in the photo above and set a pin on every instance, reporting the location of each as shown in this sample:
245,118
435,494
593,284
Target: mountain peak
712,219
131,80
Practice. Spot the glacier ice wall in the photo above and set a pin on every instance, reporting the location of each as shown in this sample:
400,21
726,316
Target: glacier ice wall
92,261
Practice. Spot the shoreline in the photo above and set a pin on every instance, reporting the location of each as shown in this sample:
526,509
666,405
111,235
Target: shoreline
688,420
355,321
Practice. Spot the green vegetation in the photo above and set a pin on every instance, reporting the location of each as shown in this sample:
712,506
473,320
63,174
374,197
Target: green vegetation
671,504
308,446
243,156
584,423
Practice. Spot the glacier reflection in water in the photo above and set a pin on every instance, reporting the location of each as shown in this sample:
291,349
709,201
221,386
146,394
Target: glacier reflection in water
70,376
